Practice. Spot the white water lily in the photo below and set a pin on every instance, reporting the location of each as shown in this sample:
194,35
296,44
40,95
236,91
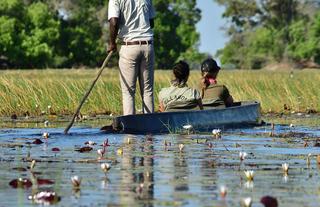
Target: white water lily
285,168
105,167
181,147
242,155
33,164
46,135
101,152
249,175
216,133
246,202
223,191
76,181
187,127
91,143
308,159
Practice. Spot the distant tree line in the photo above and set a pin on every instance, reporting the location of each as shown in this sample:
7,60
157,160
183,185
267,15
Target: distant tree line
271,31
74,33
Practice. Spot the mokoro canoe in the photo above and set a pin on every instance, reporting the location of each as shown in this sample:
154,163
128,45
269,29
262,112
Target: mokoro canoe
244,114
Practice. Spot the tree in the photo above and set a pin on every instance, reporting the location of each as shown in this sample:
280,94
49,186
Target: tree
265,31
175,32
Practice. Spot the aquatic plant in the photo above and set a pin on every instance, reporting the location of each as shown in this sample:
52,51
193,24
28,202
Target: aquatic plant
76,181
90,143
46,135
101,152
33,164
181,147
246,202
223,191
308,159
242,155
105,167
57,87
45,198
269,201
285,168
120,151
249,175
188,127
216,133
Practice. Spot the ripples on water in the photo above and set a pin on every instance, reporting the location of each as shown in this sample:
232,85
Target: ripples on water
169,177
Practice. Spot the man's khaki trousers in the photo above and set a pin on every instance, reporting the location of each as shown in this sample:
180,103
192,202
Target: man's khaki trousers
136,62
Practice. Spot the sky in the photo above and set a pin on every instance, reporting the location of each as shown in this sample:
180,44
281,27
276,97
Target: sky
212,37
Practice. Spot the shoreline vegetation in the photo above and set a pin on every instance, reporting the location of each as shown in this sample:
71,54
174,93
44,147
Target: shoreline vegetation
57,92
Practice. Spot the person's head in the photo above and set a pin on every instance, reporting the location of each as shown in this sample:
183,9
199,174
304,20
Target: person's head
181,72
209,67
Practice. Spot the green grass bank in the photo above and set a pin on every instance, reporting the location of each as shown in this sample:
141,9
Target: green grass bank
33,91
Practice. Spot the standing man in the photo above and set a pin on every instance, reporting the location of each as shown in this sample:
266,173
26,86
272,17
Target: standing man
132,22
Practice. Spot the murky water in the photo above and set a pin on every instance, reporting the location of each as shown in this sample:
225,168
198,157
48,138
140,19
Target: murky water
170,177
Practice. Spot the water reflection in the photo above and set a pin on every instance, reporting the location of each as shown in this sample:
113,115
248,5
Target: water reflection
137,172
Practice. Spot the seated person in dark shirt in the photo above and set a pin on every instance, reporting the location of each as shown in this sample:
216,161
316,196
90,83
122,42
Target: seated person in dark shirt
212,93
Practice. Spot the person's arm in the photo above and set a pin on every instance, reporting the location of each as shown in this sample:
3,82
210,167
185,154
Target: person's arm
114,28
161,107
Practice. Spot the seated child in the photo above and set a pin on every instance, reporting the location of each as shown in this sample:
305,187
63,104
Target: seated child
179,96
212,93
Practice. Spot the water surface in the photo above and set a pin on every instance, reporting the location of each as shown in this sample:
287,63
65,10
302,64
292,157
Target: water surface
191,177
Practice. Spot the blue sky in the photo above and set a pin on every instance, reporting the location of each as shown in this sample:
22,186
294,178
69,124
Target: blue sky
212,37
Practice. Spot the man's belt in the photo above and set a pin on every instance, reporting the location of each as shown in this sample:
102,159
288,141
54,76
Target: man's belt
141,42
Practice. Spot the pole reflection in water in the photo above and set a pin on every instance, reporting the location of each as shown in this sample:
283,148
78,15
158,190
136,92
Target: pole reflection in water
137,171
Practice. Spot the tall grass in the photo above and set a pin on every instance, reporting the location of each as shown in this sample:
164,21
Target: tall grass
33,91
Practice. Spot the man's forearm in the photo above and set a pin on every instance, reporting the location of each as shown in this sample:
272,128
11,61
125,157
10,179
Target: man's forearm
114,27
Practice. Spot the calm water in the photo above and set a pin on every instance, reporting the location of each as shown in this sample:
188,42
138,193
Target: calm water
170,177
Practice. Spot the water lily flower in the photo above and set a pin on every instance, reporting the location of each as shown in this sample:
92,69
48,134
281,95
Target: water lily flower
223,191
242,155
45,197
285,168
246,202
46,135
101,152
91,143
106,143
33,164
129,140
216,133
249,175
76,181
187,127
120,151
105,167
181,147
308,159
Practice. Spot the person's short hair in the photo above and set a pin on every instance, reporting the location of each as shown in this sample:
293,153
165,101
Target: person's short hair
181,71
209,66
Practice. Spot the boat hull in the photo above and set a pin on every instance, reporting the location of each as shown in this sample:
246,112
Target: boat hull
247,114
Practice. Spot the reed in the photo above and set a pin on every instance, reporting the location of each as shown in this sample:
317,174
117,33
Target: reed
32,91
